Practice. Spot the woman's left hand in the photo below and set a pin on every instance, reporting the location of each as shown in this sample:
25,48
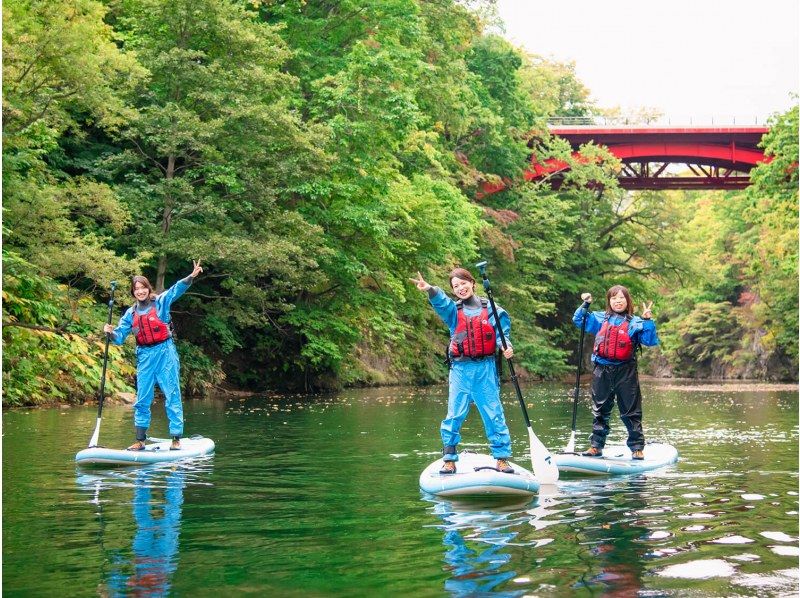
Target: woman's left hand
647,310
197,269
508,353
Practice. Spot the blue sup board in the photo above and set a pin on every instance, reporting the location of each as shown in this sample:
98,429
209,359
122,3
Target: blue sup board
155,452
616,460
476,476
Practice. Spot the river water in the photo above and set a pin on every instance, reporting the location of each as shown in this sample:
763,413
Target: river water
318,496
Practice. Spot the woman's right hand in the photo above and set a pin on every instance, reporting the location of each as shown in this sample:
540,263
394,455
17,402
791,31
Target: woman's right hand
587,297
108,329
420,282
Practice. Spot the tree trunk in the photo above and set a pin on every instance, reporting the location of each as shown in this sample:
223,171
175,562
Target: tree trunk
166,220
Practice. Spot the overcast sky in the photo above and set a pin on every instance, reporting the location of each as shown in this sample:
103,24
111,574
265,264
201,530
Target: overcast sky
684,57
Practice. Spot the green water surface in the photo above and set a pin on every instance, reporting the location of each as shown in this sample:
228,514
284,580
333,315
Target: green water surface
319,496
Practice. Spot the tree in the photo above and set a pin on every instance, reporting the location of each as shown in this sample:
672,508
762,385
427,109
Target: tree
771,241
61,70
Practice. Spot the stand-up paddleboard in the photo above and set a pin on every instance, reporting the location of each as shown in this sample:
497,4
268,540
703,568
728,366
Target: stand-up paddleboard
616,460
155,452
476,475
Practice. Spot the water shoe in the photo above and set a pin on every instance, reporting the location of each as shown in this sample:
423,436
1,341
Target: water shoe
504,467
448,467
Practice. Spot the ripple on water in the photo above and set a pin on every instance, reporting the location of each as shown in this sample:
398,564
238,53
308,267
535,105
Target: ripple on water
778,537
704,569
785,579
786,550
732,540
746,557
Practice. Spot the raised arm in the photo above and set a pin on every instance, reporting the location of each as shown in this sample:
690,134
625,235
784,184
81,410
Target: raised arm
173,293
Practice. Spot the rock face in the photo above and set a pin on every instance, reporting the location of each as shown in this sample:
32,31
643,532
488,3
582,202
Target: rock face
124,398
127,397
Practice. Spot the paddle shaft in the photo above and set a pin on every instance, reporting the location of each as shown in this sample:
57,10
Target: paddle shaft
580,362
101,394
511,371
105,353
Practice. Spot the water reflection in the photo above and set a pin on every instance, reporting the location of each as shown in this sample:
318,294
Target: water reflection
615,535
608,521
146,567
477,538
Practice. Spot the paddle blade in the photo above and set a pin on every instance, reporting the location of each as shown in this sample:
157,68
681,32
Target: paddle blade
95,435
570,448
544,468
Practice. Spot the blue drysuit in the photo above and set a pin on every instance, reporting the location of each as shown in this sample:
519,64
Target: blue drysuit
614,379
156,363
473,380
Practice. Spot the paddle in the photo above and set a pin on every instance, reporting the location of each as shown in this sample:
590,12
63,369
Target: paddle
541,461
101,397
570,448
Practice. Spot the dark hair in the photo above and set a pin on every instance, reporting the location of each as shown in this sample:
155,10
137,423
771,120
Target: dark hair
461,273
618,288
142,280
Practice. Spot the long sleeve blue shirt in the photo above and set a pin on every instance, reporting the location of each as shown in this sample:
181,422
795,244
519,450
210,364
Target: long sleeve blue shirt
641,331
447,310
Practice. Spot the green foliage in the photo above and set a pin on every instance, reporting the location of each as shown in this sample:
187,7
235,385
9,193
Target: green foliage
314,155
770,244
741,250
199,373
62,71
554,88
697,340
52,347
59,58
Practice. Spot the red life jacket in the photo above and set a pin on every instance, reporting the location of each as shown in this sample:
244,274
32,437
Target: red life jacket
613,341
474,337
150,330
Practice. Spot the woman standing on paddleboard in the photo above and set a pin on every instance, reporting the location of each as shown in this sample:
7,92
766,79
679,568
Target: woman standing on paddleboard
156,356
618,333
473,374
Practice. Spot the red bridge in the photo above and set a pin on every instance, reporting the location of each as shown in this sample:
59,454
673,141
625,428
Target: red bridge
662,157
710,157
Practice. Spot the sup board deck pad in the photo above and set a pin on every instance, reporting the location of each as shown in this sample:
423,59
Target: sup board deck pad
477,476
155,452
616,460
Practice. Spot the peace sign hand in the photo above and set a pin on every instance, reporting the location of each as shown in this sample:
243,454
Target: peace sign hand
420,282
647,310
197,269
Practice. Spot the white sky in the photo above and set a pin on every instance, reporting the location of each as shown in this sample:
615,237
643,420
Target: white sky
695,58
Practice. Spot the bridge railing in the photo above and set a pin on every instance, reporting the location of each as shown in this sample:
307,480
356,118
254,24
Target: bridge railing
660,121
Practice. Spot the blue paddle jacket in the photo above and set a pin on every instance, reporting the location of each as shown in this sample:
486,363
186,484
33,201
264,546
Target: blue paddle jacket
642,332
